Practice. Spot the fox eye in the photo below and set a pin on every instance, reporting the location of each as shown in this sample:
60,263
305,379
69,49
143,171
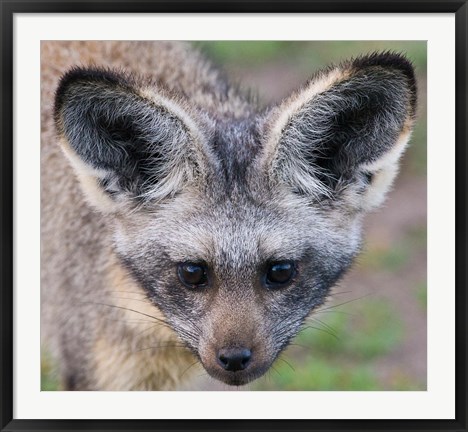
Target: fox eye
279,274
192,274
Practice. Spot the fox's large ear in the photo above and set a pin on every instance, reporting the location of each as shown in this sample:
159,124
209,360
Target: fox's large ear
125,143
341,136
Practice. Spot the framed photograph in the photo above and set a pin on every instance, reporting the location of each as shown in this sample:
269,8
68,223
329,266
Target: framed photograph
241,216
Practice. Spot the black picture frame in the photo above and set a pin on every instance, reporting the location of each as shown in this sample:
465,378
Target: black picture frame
9,8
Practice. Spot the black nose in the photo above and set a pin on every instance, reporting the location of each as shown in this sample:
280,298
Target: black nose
234,359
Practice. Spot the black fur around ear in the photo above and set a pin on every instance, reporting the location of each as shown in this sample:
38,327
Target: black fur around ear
396,62
345,122
133,142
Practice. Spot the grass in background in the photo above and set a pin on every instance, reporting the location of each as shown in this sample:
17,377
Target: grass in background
421,294
395,256
49,381
338,352
306,54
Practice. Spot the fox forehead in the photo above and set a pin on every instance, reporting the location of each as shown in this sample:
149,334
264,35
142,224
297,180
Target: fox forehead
236,143
236,233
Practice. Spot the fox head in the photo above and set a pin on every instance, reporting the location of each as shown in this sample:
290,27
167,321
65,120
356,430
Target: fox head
238,226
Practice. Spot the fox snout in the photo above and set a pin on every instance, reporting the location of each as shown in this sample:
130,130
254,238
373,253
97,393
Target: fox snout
234,359
236,348
235,364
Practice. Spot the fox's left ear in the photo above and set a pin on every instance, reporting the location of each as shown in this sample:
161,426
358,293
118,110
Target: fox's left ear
341,136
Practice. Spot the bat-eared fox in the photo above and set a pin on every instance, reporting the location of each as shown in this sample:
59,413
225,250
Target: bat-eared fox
183,223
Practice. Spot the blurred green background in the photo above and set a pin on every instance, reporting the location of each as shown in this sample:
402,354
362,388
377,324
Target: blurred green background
372,333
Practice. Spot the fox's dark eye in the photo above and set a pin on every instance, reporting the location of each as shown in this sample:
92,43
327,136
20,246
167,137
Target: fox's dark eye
279,274
192,274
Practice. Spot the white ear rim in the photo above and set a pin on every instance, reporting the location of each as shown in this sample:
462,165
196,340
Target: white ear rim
294,103
179,171
88,178
302,174
384,172
181,110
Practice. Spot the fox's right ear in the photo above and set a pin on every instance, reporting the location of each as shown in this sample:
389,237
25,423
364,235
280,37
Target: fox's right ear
339,138
126,143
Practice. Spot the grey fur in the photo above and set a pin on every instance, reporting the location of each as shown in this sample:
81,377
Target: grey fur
196,175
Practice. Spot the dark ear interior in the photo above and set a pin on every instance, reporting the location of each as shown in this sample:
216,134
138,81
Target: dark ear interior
113,129
354,122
